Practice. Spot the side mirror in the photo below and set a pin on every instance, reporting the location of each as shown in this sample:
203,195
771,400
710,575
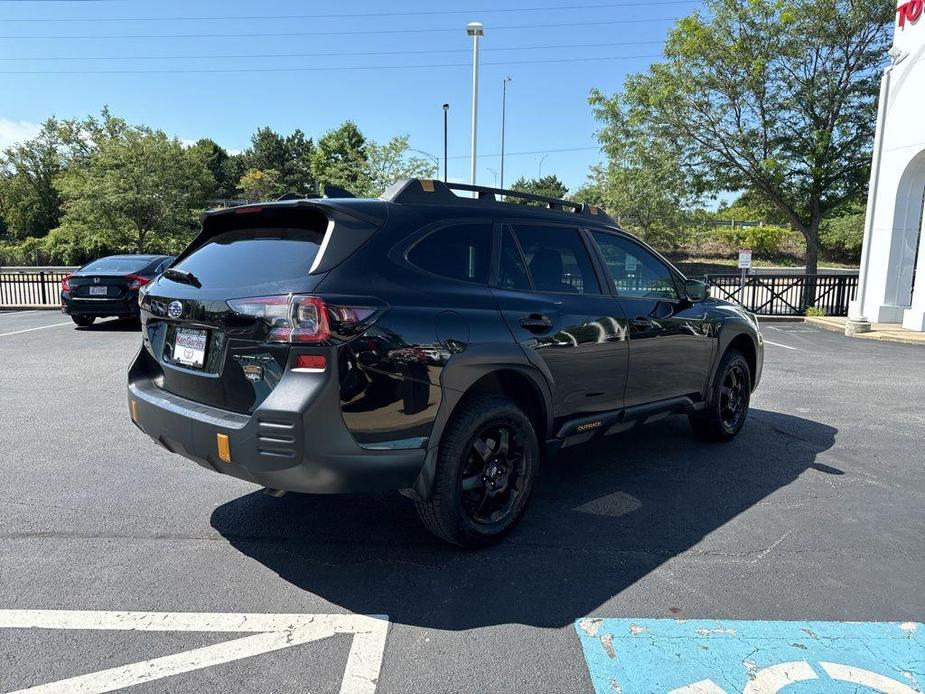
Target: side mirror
696,291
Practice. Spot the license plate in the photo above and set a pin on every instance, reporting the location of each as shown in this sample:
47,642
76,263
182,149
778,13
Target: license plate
98,291
189,347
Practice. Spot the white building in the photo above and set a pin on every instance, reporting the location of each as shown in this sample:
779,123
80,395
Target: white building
891,290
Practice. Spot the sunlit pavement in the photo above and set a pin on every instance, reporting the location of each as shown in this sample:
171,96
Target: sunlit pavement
816,513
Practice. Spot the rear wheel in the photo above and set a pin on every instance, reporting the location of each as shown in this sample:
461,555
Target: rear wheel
486,466
725,413
83,321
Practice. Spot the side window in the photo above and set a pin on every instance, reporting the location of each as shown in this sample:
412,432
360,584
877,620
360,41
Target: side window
513,273
557,260
459,252
635,271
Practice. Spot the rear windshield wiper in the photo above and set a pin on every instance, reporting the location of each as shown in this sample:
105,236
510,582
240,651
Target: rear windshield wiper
181,276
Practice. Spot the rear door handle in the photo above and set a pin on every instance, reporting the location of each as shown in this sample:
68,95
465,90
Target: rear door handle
536,322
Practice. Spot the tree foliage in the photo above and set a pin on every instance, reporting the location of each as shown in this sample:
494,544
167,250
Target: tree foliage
341,157
261,184
642,183
550,186
771,97
133,190
29,203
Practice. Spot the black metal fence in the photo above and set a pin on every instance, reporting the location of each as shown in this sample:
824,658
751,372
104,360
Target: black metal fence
27,286
787,295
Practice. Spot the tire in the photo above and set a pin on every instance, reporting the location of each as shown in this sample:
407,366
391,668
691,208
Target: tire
499,476
726,411
83,321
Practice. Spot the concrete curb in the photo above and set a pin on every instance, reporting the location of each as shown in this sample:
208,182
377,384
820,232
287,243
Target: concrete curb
828,324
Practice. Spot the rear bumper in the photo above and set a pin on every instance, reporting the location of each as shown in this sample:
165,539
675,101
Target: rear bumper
127,306
295,441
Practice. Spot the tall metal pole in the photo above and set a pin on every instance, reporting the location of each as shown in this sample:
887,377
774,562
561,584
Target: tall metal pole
476,31
446,108
503,108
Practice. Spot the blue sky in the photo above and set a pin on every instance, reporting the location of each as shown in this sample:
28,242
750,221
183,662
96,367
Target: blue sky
418,57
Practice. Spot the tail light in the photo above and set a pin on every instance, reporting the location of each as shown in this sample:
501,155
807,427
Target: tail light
137,281
65,285
300,319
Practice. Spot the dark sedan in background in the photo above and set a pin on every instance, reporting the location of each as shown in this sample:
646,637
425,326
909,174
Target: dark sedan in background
109,286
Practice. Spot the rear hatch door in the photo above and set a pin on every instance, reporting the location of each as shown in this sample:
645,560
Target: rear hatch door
204,350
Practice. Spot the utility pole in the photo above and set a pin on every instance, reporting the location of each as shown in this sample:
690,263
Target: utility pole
476,30
446,108
503,109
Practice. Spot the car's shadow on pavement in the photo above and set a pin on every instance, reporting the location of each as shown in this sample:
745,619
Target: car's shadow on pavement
603,516
113,325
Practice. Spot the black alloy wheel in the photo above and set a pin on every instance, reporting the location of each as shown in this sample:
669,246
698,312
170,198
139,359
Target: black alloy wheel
493,475
724,414
484,472
733,396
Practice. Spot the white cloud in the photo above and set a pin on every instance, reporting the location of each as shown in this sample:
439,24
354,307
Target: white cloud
13,131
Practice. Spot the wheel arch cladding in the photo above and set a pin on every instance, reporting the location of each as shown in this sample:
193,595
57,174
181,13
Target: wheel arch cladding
472,376
745,344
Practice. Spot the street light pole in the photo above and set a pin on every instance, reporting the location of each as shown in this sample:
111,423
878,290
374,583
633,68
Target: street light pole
503,108
446,108
476,30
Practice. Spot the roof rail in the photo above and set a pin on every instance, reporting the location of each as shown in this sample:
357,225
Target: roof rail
426,190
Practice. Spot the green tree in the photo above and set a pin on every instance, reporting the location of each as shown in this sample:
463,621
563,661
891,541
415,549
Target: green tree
218,162
261,184
550,186
29,203
391,162
341,158
771,97
133,190
642,183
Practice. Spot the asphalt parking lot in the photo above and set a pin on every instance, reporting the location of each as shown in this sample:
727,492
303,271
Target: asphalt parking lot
815,513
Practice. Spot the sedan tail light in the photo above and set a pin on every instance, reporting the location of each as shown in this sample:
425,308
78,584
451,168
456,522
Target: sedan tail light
301,319
137,281
65,286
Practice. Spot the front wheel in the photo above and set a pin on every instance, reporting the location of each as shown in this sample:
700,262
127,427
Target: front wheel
83,321
486,467
725,413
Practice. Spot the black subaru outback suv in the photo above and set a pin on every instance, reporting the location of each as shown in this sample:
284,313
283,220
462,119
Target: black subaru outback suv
429,343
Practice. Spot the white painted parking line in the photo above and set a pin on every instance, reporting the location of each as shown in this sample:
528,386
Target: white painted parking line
41,327
777,344
14,313
268,633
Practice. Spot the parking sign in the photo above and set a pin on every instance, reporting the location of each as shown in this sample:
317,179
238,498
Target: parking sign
745,259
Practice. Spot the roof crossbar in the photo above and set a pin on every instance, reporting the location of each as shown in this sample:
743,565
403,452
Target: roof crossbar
425,190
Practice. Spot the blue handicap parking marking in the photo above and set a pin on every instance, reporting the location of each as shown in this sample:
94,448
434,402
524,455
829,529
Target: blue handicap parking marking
698,656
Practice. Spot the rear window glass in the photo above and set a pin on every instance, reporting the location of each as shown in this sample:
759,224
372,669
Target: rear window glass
247,257
117,264
460,252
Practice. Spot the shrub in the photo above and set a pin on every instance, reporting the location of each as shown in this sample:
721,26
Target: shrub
841,237
762,240
815,311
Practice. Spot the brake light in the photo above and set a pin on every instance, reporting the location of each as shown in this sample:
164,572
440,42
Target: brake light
65,286
137,281
310,362
301,319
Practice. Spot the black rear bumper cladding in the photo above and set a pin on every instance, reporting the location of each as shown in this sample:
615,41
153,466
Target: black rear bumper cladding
295,441
126,306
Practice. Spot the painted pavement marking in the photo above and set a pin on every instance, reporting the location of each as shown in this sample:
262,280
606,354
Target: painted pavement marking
267,633
777,344
668,656
41,327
